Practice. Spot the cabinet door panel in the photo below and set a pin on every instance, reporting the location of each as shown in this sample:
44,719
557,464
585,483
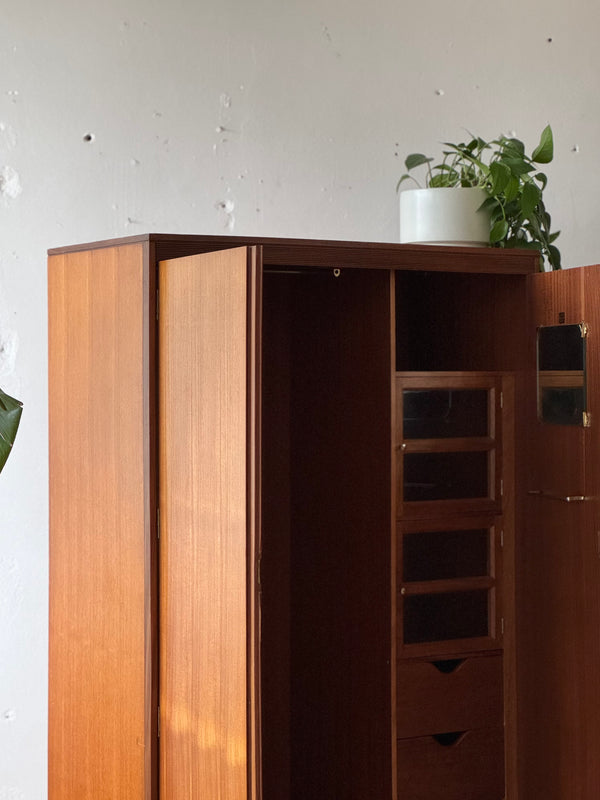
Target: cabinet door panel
559,570
207,485
102,719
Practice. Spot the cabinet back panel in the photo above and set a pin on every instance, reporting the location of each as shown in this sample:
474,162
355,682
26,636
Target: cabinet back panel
448,321
338,665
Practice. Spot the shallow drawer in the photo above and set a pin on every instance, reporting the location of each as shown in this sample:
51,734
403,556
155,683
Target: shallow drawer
452,696
470,768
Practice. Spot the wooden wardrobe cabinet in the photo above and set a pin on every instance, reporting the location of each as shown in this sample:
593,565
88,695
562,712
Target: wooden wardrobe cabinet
308,537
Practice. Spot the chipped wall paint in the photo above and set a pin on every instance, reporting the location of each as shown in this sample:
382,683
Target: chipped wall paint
10,183
263,118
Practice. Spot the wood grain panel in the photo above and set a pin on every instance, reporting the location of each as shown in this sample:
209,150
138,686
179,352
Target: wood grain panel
101,721
559,608
431,701
203,487
469,769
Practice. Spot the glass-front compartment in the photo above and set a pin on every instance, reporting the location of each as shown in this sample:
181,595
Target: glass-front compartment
444,555
445,413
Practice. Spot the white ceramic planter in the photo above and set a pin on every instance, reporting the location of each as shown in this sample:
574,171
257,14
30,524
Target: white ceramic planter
444,216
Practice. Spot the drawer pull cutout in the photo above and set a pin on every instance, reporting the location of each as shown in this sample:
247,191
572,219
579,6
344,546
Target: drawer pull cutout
448,739
448,665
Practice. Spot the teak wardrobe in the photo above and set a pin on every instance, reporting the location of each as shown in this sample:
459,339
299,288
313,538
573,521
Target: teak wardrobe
309,539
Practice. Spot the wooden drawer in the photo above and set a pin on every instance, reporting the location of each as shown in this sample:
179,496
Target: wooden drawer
472,768
433,701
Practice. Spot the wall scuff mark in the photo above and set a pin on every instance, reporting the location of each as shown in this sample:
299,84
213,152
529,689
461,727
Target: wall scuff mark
10,183
227,207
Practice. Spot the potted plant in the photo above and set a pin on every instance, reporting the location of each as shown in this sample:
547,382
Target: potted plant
10,416
505,191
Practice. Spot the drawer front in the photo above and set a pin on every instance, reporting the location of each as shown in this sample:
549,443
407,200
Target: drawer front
471,768
434,701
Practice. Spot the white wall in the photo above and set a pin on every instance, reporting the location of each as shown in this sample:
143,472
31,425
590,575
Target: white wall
267,117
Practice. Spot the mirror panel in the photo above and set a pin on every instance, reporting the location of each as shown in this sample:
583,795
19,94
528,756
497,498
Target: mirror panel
561,355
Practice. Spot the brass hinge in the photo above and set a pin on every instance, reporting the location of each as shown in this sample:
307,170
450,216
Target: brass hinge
584,328
587,419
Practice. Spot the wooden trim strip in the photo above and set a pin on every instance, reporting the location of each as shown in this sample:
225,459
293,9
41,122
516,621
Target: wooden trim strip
340,254
450,585
254,544
465,444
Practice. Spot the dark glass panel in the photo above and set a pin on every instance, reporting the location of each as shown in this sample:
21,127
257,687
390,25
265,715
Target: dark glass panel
445,476
561,374
561,347
445,413
440,555
451,615
562,406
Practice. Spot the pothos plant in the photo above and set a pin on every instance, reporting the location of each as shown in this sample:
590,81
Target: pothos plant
512,181
10,416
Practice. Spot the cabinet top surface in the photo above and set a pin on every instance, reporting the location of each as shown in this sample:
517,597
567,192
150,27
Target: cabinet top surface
334,253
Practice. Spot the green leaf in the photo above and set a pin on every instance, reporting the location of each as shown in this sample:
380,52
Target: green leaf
554,257
405,177
499,231
511,190
534,228
544,152
500,175
531,197
415,160
517,166
10,416
515,146
489,203
539,176
443,180
553,237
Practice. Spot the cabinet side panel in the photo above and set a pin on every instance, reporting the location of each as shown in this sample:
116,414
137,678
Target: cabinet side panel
99,525
203,506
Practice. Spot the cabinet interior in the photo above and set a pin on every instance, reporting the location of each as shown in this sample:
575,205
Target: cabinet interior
365,574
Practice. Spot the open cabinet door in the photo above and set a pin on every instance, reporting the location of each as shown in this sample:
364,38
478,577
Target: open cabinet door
102,701
209,318
559,603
